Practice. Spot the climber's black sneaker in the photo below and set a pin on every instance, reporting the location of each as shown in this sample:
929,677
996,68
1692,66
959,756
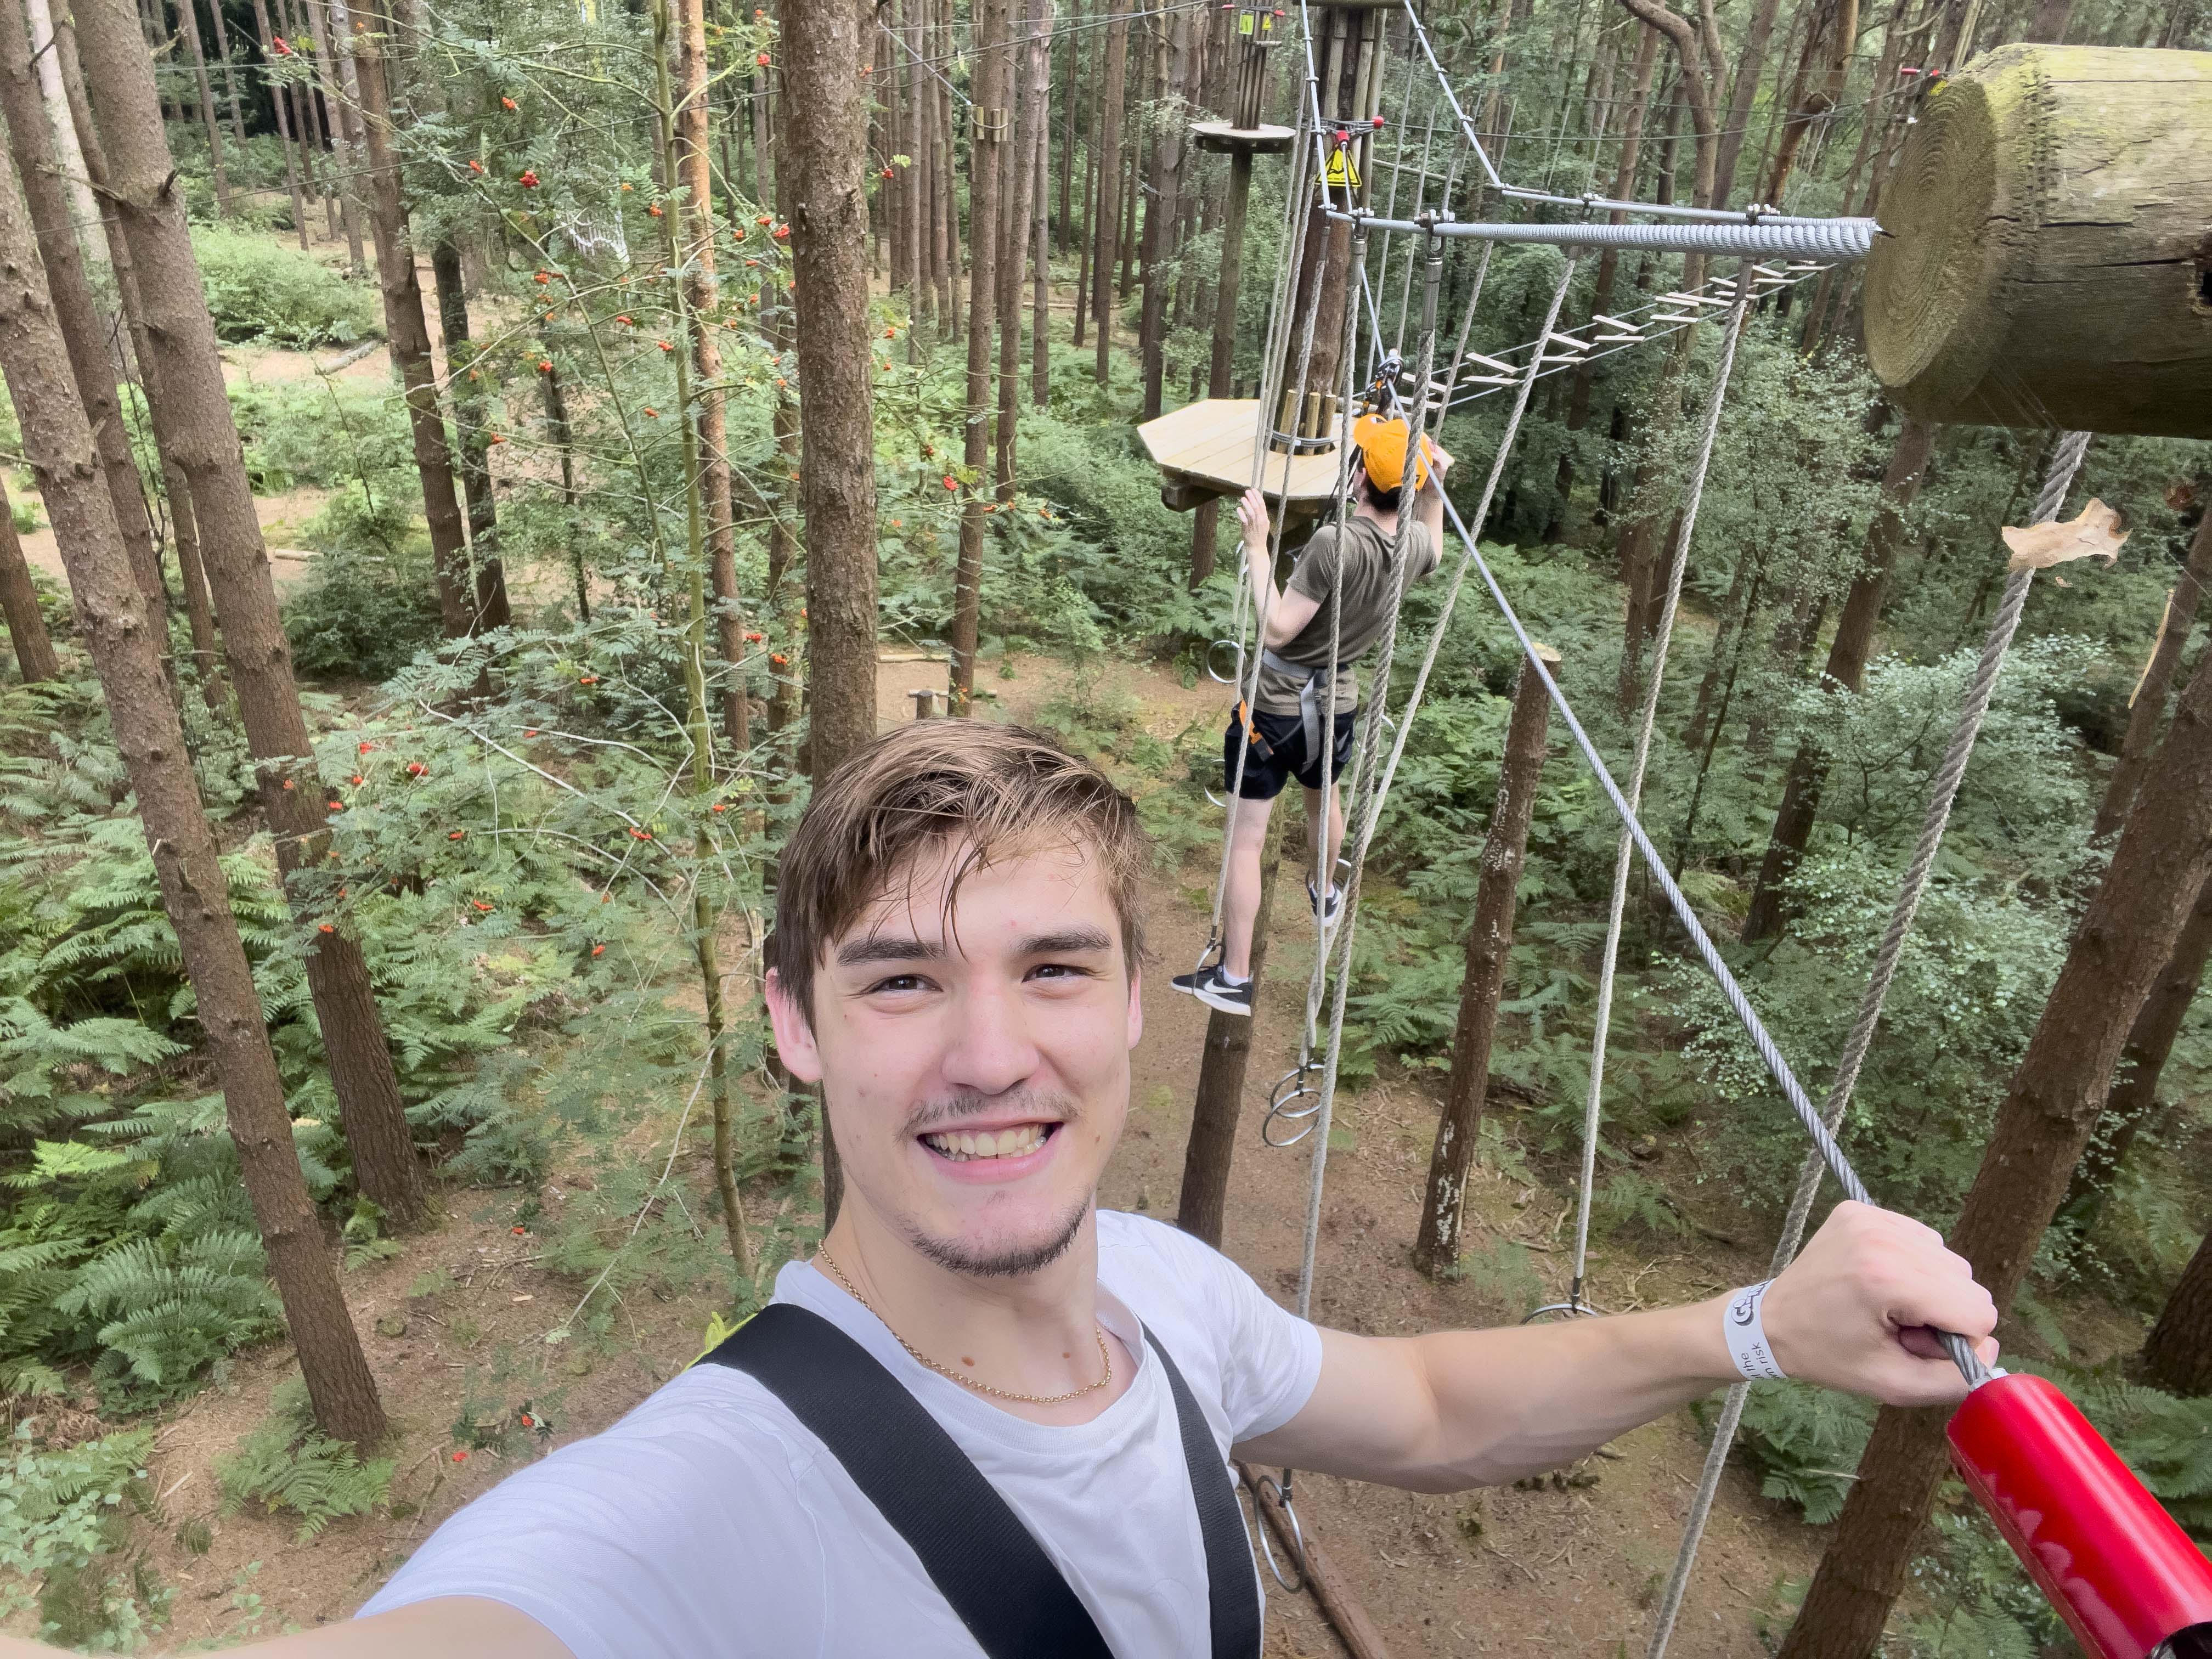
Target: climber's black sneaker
1329,913
1211,986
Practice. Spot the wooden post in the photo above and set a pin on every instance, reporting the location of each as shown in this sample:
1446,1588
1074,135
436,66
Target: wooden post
1214,1115
1489,942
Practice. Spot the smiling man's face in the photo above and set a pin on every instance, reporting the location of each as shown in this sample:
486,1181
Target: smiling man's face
975,1057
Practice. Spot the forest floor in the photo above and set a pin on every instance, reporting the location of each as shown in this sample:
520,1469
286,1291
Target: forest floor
456,1324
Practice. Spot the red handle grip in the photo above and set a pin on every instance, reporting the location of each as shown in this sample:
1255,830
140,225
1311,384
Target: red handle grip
2125,1578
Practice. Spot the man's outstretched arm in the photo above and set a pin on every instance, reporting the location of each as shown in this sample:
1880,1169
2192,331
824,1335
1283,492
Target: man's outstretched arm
1455,1409
448,1628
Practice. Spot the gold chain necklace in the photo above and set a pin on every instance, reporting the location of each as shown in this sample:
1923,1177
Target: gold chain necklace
1105,1354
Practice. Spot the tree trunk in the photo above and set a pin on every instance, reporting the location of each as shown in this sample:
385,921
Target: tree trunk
563,441
1846,668
2143,1063
189,21
18,602
2128,934
191,575
281,97
826,130
316,139
703,297
1836,22
1608,263
1088,243
75,312
1017,192
230,83
1040,266
1482,988
84,206
472,461
121,630
195,411
1108,229
985,153
1203,1204
1165,204
2177,1358
409,335
333,61
2148,708
1750,63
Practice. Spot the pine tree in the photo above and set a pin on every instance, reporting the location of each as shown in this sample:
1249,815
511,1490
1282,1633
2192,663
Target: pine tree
194,410
112,614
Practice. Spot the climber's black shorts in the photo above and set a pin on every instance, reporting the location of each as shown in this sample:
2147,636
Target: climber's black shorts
1281,754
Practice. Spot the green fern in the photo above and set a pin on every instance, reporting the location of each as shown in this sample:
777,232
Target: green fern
1806,1441
168,1317
285,1465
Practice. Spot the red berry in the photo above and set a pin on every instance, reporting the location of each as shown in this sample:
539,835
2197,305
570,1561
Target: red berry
327,928
651,413
337,807
950,482
457,834
779,659
664,345
763,59
545,366
460,1457
544,276
523,1230
598,949
507,102
475,166
719,806
416,769
529,180
654,209
589,679
358,780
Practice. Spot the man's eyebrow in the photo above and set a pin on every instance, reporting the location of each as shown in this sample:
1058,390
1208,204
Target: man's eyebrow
885,947
1065,943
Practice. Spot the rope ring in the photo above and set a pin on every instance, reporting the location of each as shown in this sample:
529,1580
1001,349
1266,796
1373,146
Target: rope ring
1282,1502
1280,1105
1573,1308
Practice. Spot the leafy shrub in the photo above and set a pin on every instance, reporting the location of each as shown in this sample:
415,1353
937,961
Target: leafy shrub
63,1512
260,289
1807,1441
368,606
286,1465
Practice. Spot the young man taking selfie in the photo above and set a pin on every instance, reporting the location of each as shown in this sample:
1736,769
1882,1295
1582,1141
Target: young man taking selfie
983,1390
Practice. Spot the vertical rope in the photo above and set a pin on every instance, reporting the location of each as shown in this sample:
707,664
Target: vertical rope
1593,1100
1943,792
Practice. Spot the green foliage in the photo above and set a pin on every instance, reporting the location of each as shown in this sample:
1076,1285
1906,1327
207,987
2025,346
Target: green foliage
1807,1442
284,1465
260,289
65,1517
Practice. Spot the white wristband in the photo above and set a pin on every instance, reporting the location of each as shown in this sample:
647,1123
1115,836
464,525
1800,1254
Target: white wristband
1746,1335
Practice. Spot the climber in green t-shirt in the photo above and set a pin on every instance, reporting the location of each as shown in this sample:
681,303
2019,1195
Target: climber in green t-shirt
1280,738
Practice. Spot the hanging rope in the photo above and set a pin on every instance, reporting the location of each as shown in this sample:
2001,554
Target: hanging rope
1943,790
1715,396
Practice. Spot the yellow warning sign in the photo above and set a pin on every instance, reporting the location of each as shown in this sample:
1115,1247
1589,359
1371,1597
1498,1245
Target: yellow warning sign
1342,174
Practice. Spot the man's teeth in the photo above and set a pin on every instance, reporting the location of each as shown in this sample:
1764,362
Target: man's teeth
1006,1143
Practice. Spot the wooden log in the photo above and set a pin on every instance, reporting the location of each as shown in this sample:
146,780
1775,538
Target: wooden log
1353,1627
2048,260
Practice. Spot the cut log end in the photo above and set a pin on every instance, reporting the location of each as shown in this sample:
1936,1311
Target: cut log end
2047,254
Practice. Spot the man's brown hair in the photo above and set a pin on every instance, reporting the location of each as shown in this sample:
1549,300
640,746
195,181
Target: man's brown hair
998,790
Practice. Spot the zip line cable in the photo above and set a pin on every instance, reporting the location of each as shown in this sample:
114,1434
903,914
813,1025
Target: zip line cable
1943,792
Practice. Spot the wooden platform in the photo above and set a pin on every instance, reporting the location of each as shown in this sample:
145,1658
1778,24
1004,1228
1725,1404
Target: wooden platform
1222,138
1206,448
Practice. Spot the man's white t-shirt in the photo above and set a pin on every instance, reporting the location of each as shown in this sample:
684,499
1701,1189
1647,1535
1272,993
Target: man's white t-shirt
710,1522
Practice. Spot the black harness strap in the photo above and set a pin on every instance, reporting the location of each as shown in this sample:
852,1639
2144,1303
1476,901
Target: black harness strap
1232,1586
996,1575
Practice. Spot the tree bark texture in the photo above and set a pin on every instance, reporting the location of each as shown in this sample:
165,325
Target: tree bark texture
1203,1204
184,531
2149,708
1482,988
825,137
1846,668
84,206
121,630
1109,181
986,156
2142,1063
2127,935
194,411
472,461
75,312
703,297
2177,1358
19,603
409,334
